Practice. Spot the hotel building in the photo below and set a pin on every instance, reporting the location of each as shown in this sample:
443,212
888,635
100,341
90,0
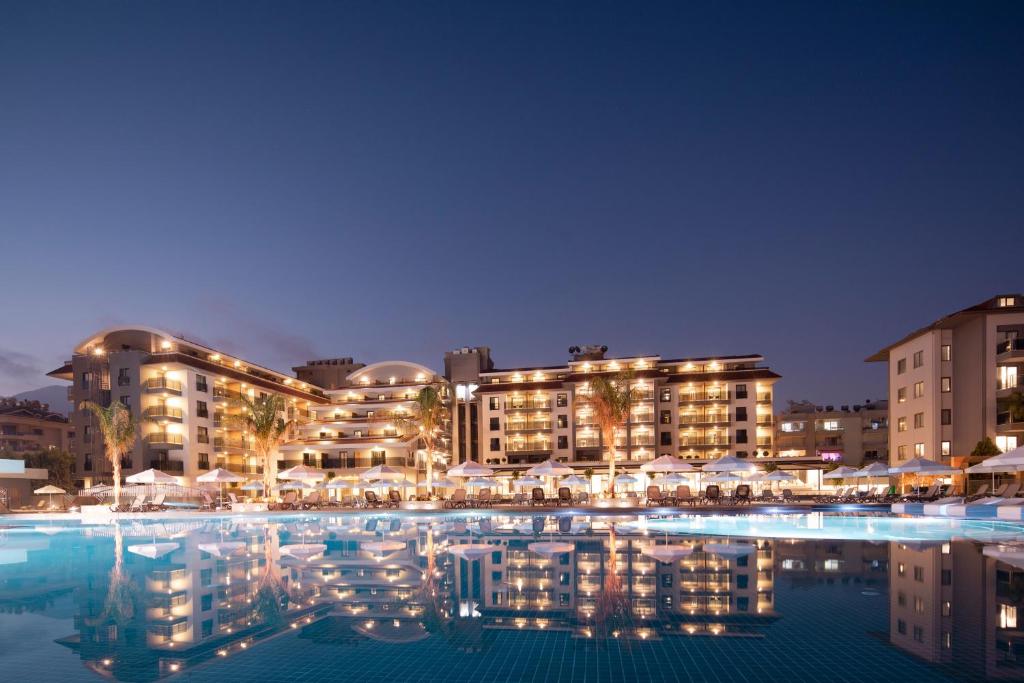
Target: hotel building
367,421
28,426
698,409
848,436
957,381
182,392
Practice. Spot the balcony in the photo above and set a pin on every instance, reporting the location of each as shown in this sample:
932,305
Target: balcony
241,468
703,419
642,418
764,397
704,443
528,426
224,394
162,385
163,413
765,420
168,466
703,397
528,446
163,440
527,403
1010,348
222,443
1005,422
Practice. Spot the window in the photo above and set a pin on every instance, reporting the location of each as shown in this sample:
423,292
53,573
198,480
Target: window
918,389
918,358
901,366
123,378
563,441
204,461
946,352
741,414
1006,443
201,383
1007,616
919,634
741,391
1006,302
741,436
377,457
901,627
202,435
919,574
792,427
901,424
901,452
666,438
831,425
946,386
918,604
742,581
918,420
495,424
493,402
126,401
85,379
946,416
495,444
918,450
901,599
562,421
561,400
665,417
206,602
901,395
945,448
666,395
201,409
947,608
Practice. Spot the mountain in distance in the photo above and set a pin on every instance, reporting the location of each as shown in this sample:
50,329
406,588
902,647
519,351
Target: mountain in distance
56,395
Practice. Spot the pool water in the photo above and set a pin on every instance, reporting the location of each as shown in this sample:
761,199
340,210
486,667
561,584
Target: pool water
496,596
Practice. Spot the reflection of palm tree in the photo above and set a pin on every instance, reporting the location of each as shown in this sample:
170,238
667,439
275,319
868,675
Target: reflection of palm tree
271,597
428,596
611,608
122,592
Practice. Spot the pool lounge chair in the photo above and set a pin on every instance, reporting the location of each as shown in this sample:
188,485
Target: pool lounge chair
157,503
742,495
136,505
537,496
564,496
787,496
656,497
233,498
583,498
484,500
712,494
287,503
931,494
394,499
683,495
371,500
981,492
457,501
766,496
311,501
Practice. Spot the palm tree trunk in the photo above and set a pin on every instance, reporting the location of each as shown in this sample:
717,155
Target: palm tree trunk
609,438
115,462
430,466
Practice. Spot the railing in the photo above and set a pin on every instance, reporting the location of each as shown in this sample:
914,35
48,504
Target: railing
163,437
1008,345
1014,383
690,443
527,446
707,418
221,392
764,396
221,442
701,396
161,412
642,418
164,384
528,425
168,466
765,420
527,403
1007,418
585,442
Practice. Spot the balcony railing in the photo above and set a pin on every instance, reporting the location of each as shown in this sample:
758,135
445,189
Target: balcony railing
221,443
764,396
701,443
163,438
1009,345
1007,419
706,418
527,403
221,392
703,396
528,426
162,413
530,446
168,466
163,384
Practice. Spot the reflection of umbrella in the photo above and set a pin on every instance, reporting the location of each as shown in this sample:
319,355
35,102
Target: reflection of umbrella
151,476
471,551
220,476
667,553
667,463
549,468
385,472
469,469
222,549
729,463
381,547
49,490
551,548
729,549
153,550
303,551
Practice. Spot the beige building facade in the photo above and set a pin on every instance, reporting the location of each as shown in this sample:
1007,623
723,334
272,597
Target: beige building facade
850,435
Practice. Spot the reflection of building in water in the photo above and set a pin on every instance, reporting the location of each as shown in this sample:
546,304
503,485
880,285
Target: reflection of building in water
174,598
590,589
806,563
937,614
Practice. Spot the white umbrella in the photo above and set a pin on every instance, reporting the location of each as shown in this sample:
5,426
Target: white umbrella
875,469
625,479
529,481
469,469
338,484
723,477
253,486
778,475
668,463
220,476
151,476
550,468
49,490
842,472
575,480
153,550
290,486
729,463
303,551
302,473
480,481
922,466
381,547
443,483
384,472
1014,456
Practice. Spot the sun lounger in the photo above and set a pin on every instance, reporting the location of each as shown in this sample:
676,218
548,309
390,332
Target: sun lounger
741,495
656,497
583,498
980,493
458,499
683,495
234,500
712,494
939,506
484,500
537,496
767,496
157,503
394,499
371,499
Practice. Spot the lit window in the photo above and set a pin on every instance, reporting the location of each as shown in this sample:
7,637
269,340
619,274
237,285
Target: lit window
830,425
901,452
946,448
947,385
918,420
901,424
901,395
918,389
1006,443
918,450
1006,301
946,352
1007,616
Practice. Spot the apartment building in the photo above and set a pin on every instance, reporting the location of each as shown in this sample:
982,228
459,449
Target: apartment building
28,426
696,408
957,381
183,393
850,435
367,420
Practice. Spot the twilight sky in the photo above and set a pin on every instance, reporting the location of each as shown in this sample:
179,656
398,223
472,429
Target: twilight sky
286,180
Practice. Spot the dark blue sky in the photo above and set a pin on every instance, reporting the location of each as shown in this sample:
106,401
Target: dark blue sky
804,180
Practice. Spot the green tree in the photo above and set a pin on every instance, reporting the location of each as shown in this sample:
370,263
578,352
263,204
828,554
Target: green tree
262,420
611,397
118,427
57,463
985,448
429,415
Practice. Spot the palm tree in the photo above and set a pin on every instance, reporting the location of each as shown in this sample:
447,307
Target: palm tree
117,425
611,398
261,419
429,414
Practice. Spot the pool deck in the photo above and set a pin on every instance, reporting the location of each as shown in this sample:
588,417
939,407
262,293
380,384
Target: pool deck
759,508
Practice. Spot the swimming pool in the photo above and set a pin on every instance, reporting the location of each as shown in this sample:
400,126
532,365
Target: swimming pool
500,596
